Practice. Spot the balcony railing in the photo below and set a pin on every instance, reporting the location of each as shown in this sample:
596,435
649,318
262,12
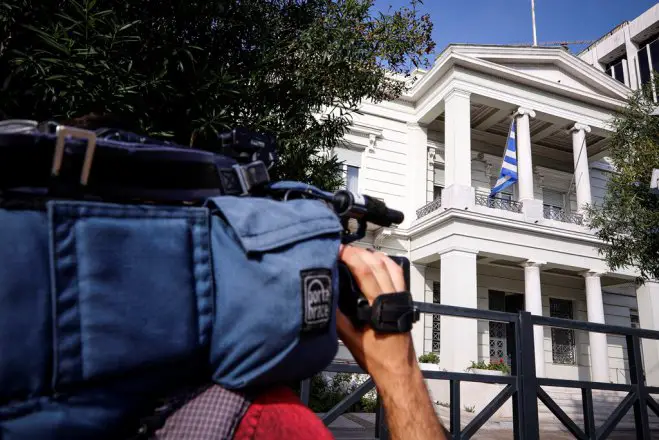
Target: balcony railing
484,199
561,215
430,207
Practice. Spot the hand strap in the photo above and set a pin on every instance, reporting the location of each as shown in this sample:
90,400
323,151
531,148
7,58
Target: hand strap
390,313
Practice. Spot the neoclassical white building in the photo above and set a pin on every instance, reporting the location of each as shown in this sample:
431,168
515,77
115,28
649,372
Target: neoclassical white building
435,154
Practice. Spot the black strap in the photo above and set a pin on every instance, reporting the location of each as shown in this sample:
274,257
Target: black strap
125,171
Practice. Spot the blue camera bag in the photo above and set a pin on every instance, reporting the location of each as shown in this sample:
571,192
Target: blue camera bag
105,307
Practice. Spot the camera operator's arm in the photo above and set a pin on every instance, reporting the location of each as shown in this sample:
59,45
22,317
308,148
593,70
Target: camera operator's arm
389,358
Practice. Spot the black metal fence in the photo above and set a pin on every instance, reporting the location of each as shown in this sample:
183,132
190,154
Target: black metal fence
522,385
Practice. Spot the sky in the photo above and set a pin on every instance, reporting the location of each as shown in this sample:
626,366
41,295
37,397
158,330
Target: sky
509,21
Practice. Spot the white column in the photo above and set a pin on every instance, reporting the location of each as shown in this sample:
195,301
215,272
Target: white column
581,172
417,160
457,143
531,207
418,291
647,297
533,305
459,344
599,347
524,162
631,49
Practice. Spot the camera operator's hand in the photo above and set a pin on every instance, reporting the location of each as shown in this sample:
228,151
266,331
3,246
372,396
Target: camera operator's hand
389,358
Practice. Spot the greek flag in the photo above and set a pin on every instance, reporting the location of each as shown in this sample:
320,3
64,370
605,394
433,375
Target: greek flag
508,174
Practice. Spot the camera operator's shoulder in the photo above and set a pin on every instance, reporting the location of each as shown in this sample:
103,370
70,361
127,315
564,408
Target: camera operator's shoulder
279,414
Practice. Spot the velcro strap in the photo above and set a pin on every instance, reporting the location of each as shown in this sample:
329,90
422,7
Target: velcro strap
393,312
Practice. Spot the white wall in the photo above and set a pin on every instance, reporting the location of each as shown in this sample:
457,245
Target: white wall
383,169
617,304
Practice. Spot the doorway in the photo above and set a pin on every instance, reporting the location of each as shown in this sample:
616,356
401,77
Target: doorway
502,341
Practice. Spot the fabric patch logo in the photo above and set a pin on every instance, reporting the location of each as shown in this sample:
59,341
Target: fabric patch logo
316,298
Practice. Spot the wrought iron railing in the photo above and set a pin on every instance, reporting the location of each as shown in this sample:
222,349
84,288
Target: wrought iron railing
430,207
484,199
522,386
562,215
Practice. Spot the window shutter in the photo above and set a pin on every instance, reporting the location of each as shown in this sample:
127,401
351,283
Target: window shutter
439,176
553,198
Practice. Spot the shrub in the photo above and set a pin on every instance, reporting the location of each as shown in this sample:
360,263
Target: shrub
328,391
499,365
429,358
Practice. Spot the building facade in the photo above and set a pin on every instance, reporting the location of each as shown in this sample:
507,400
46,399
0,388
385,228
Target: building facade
436,152
630,52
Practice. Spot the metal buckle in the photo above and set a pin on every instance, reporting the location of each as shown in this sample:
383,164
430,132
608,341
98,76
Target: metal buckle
251,175
61,132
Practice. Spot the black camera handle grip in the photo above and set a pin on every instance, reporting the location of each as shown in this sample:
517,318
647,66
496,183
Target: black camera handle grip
389,313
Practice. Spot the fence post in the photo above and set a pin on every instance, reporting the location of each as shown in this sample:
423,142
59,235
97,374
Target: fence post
515,370
455,410
527,382
636,376
381,430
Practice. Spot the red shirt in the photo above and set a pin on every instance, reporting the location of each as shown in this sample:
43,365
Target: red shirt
280,415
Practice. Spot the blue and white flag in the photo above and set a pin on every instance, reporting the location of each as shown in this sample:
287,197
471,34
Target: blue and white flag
508,174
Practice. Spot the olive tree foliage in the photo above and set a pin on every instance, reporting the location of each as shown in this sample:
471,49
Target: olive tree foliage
628,218
188,70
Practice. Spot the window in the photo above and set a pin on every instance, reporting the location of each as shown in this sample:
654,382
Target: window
501,340
633,318
648,60
562,339
553,199
498,334
506,194
616,70
553,203
654,55
352,178
352,161
635,322
436,328
438,183
644,65
437,192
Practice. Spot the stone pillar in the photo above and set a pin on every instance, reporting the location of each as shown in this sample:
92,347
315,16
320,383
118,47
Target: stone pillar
533,305
457,143
532,208
647,297
418,291
417,159
459,344
599,347
581,171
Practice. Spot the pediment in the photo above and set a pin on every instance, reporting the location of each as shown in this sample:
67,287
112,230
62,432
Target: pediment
547,65
552,72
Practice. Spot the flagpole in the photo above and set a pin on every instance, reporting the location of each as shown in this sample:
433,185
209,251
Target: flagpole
535,36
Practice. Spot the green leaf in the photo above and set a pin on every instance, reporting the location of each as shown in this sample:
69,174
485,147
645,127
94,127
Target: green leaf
184,68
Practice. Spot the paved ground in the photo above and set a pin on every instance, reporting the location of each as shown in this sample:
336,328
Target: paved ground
362,426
